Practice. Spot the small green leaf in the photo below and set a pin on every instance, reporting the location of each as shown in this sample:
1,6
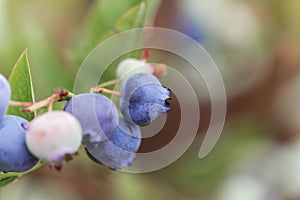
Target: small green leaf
21,86
6,181
133,18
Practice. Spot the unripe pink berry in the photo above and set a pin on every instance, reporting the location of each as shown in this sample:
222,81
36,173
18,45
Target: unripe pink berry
131,66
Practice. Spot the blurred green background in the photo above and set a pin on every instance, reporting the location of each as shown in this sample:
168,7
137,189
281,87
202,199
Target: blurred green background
254,43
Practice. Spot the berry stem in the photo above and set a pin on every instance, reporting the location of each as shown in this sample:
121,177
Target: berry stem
51,101
37,105
108,83
18,103
58,95
104,90
145,55
100,88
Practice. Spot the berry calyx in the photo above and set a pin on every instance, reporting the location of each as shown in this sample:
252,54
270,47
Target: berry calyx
143,99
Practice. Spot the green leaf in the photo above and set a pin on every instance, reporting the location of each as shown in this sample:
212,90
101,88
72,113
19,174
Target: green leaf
21,86
133,18
22,90
6,181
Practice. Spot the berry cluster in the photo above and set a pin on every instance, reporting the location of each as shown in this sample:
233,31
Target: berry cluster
14,154
90,119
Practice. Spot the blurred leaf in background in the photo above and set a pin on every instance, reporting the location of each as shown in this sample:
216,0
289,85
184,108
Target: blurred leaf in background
107,17
44,28
59,35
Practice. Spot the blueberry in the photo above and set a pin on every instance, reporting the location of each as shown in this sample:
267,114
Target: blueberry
143,99
119,150
4,95
97,115
14,154
54,135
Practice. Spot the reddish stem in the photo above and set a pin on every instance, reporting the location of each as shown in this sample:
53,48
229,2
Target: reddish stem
108,83
104,90
58,94
145,55
22,104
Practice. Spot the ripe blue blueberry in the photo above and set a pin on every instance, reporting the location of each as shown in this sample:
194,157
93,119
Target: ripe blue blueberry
54,135
14,154
120,148
4,95
143,99
97,115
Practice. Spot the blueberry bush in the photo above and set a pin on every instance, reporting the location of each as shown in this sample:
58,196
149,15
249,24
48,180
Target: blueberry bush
53,137
254,45
50,132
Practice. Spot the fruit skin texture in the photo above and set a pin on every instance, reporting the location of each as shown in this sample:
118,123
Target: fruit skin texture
119,150
143,99
130,66
97,115
53,135
14,154
5,93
